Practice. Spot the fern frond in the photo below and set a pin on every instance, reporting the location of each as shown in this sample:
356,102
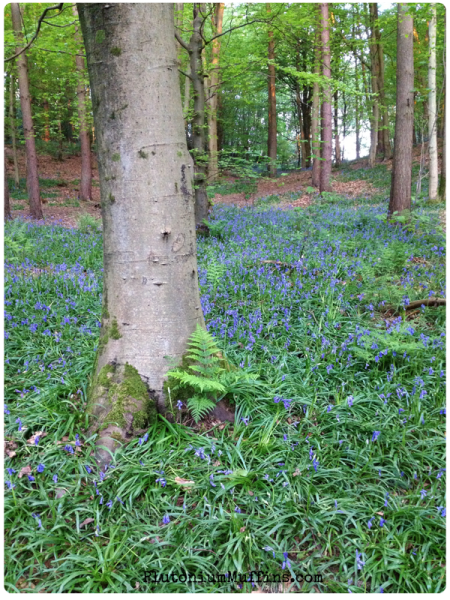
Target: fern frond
198,383
199,406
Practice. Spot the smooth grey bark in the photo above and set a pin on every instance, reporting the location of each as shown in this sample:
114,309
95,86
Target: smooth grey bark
34,197
7,212
400,198
217,21
374,69
315,113
85,140
327,133
432,111
151,302
272,106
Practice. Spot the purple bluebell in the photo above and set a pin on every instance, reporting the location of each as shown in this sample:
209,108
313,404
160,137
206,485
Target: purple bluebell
40,468
286,562
382,521
375,435
359,562
166,519
88,468
30,478
423,493
68,448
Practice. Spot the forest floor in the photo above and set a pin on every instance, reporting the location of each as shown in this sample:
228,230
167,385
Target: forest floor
332,476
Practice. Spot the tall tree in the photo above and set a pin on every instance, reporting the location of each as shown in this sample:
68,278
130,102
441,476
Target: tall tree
384,143
85,140
337,144
272,121
442,180
12,124
432,112
151,302
315,115
327,132
34,197
400,198
374,68
217,19
7,213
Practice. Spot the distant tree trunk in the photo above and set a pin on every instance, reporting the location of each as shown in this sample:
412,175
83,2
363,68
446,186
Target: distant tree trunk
384,142
442,182
400,198
27,120
337,145
199,153
432,112
306,114
85,141
315,116
327,133
213,92
272,137
7,207
374,68
344,124
219,123
47,122
151,302
12,123
301,125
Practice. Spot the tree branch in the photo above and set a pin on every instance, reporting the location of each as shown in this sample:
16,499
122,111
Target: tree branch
185,74
182,42
41,19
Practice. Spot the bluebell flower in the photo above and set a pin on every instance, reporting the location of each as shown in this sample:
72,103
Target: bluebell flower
10,485
166,519
10,470
382,521
315,464
359,562
211,477
245,420
77,440
369,523
40,468
68,448
286,563
237,509
36,516
121,502
179,404
18,420
88,468
350,401
423,493
36,440
375,435
329,407
162,481
7,411
108,504
30,478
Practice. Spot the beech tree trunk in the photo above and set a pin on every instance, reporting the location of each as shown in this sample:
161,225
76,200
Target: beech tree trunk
337,145
85,141
384,142
151,302
400,198
7,206
315,115
34,197
272,132
374,68
12,123
47,122
442,182
432,111
327,133
217,19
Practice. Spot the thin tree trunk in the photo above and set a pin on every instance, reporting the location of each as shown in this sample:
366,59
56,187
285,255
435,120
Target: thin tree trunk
442,182
383,136
400,198
47,122
85,142
375,78
432,114
315,116
27,120
327,134
337,145
213,91
301,124
7,215
272,133
12,122
199,153
151,302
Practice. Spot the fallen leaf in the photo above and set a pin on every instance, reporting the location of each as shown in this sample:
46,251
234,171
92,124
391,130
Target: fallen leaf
87,521
296,473
9,447
137,585
380,513
250,493
242,529
24,471
181,481
217,463
38,434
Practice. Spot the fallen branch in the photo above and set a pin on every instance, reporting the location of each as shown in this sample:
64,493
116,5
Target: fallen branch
427,302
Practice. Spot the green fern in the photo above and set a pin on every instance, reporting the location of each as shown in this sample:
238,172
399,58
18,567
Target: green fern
205,376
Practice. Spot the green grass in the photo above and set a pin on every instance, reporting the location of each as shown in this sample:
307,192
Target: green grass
334,364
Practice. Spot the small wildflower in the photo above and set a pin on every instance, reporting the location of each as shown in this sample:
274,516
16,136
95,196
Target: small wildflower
382,521
359,562
423,493
350,401
286,563
179,404
245,420
237,509
166,519
40,468
375,435
7,412
88,468
68,448
20,424
10,471
30,478
109,504
369,523
55,478
10,485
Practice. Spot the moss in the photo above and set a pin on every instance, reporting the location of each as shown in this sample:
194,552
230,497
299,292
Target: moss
105,313
100,36
112,198
143,154
115,157
102,377
114,330
179,153
116,51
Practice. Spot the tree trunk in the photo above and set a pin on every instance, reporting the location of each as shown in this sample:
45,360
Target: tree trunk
315,116
85,141
400,198
47,122
213,171
12,122
301,125
383,135
337,145
442,182
375,78
306,114
325,172
199,153
27,121
272,133
151,302
7,207
432,112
